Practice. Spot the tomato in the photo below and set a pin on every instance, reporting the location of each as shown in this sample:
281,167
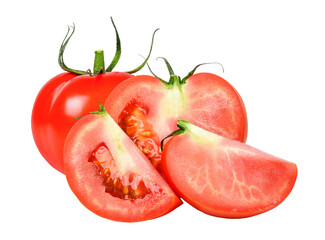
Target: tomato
110,176
68,96
224,177
59,103
147,108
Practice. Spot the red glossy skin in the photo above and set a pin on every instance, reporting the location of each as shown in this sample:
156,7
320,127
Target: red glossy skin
61,100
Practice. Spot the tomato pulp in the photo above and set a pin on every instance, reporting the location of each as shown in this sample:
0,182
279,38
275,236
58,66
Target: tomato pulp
147,108
223,177
111,176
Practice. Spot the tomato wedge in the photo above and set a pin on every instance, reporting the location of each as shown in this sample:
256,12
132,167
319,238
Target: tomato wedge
223,177
147,108
110,175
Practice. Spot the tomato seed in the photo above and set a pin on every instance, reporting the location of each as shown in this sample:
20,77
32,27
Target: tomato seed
134,123
147,134
128,186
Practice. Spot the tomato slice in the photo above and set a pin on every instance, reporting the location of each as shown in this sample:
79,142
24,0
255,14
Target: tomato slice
146,104
111,176
223,177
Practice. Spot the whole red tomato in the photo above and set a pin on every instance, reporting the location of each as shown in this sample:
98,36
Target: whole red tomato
70,95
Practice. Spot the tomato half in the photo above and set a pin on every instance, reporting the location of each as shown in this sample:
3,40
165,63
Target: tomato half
147,108
111,176
71,95
223,177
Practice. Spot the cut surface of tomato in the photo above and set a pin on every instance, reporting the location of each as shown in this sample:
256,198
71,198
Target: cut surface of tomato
133,122
147,109
127,186
223,177
111,176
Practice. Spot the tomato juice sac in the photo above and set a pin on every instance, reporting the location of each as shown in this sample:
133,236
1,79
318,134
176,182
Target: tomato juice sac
133,122
127,186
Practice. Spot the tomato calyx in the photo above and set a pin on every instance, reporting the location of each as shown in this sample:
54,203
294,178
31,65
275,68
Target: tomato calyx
101,111
186,126
182,127
177,80
99,65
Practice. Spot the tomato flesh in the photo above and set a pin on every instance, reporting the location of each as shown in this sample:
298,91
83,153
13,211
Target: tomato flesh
147,110
134,123
128,186
111,176
223,177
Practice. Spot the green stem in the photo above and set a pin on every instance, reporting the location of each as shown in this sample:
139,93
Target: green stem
182,128
101,111
62,48
192,72
117,52
99,64
170,69
162,80
146,59
173,79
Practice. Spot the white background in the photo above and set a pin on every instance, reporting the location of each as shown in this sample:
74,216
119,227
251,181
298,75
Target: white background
273,53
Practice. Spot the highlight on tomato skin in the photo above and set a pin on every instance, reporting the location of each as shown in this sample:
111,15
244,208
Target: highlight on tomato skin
59,103
110,176
222,177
